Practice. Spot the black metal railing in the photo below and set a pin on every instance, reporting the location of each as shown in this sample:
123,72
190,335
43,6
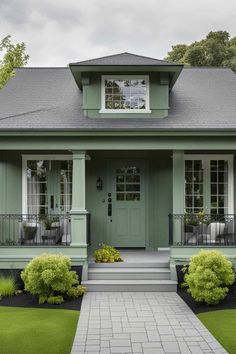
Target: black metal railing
35,230
202,229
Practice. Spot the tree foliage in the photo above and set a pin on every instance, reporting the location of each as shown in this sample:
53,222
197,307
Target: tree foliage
217,49
12,56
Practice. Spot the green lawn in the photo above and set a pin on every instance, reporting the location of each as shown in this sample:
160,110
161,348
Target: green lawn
36,331
222,324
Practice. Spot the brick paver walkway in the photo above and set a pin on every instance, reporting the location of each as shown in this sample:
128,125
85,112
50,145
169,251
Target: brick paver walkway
148,323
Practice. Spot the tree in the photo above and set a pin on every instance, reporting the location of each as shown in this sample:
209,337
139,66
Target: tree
217,49
13,55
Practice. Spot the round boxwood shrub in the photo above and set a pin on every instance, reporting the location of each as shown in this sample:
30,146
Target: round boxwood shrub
49,276
208,276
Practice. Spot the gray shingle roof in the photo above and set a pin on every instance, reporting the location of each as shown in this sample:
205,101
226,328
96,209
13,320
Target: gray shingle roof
48,98
124,59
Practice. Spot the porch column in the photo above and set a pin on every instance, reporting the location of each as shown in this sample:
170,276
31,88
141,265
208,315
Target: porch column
178,192
78,212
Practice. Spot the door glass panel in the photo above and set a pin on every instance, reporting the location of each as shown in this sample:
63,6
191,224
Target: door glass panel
43,182
120,196
128,183
213,181
193,186
132,196
219,186
120,179
65,186
120,187
132,187
37,189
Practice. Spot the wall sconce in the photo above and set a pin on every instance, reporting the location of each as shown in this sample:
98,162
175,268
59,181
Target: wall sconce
99,184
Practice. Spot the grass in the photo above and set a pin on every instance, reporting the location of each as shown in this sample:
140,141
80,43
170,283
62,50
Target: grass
36,331
7,286
222,324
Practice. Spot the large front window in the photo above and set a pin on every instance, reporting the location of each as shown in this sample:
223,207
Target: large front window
47,186
208,184
125,94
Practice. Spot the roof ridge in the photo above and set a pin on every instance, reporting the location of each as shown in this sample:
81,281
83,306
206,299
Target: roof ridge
144,56
128,53
106,56
41,67
207,67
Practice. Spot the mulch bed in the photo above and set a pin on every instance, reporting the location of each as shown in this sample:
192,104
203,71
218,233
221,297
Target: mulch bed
27,300
228,303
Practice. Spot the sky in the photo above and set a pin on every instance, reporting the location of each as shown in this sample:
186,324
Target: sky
58,32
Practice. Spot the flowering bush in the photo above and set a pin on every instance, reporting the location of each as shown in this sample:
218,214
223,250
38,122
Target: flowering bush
107,254
50,277
207,277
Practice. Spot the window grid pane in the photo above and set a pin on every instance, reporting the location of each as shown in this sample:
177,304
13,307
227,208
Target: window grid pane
219,186
127,94
128,183
194,199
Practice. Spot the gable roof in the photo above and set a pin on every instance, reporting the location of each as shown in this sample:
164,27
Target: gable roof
49,99
125,59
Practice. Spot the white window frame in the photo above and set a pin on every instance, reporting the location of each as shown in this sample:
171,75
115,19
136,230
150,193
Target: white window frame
230,159
26,158
125,77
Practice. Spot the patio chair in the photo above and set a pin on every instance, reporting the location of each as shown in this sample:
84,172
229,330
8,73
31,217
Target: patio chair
208,234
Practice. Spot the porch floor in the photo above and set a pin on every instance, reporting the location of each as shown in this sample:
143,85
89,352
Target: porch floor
140,256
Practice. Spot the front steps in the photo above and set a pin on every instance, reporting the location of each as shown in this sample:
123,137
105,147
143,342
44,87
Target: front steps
130,276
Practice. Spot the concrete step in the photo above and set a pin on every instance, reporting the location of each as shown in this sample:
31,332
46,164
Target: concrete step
128,273
160,264
131,285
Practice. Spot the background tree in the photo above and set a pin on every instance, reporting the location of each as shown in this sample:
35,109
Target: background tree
12,55
217,49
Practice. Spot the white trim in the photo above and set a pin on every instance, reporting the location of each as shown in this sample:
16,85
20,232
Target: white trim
113,77
230,158
29,157
47,157
24,186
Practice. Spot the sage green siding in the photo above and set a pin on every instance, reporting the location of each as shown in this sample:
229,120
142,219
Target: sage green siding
10,182
159,97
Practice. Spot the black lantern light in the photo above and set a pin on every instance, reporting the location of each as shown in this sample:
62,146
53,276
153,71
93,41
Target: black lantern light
99,184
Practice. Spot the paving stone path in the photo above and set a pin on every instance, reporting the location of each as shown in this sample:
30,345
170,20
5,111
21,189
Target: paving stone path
141,322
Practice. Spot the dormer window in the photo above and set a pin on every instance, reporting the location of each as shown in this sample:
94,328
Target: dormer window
125,94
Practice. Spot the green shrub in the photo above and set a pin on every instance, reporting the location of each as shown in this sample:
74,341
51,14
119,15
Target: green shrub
207,277
76,291
55,300
107,254
8,286
49,277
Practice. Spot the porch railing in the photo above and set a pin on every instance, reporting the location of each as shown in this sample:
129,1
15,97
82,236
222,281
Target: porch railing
35,230
202,230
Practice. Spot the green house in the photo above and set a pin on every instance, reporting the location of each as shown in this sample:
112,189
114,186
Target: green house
126,150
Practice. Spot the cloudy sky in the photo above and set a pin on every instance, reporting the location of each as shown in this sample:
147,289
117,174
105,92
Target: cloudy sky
57,32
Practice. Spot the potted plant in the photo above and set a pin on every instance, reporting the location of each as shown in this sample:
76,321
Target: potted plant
29,231
52,228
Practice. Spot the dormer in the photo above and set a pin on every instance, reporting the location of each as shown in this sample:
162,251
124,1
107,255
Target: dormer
125,86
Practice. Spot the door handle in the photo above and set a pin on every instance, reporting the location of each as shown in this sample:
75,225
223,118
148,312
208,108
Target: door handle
109,206
109,212
52,202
